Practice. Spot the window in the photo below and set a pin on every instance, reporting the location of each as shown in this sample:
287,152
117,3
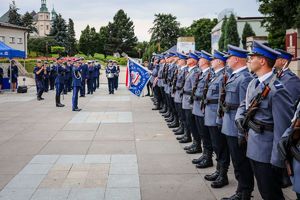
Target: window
20,41
12,40
2,39
47,16
47,27
41,16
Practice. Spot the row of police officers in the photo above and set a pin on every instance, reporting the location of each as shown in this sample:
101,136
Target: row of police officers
66,77
237,105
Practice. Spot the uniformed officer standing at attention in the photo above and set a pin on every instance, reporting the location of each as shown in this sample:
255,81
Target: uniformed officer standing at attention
83,70
69,75
110,74
154,80
90,77
289,149
190,128
46,76
13,77
96,74
219,178
160,84
39,72
76,86
52,75
235,92
116,84
182,71
59,84
97,68
290,80
266,97
206,158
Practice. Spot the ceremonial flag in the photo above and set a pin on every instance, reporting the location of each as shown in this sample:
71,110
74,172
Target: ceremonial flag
137,77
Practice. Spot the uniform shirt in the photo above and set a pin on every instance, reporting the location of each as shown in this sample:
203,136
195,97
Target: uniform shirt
292,83
84,71
90,74
15,72
110,69
154,73
213,93
276,109
40,76
60,71
76,77
96,73
199,92
171,71
190,80
180,83
235,88
160,75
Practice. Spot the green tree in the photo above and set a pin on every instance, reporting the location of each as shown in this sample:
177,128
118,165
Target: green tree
42,46
201,30
59,31
27,21
14,17
231,33
85,41
165,30
121,37
103,36
247,32
223,34
297,18
280,15
94,41
71,41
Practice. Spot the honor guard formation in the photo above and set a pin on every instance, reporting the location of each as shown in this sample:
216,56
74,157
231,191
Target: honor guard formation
235,107
70,76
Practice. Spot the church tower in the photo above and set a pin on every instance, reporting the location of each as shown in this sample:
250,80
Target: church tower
43,20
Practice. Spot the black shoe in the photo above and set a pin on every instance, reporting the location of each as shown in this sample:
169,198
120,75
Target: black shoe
212,177
194,150
81,96
205,163
185,140
180,137
220,182
39,98
174,125
179,131
163,110
236,196
147,95
176,129
76,109
166,114
189,146
198,160
156,108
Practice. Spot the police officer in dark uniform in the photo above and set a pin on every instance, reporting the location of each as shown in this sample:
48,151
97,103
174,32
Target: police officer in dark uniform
97,68
205,160
69,70
110,74
90,78
14,75
46,76
154,80
96,75
39,72
83,68
52,75
265,127
76,86
235,92
116,84
59,84
219,178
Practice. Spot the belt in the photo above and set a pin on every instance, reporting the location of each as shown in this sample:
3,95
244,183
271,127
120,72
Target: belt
260,127
212,101
198,98
229,107
178,88
187,93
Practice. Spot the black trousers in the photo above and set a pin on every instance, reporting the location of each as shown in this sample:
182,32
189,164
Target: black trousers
46,84
111,86
52,82
97,82
204,134
220,147
162,91
241,164
172,105
149,86
189,122
82,89
181,116
157,94
268,178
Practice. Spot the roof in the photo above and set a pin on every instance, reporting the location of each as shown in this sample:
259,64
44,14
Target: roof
5,17
12,26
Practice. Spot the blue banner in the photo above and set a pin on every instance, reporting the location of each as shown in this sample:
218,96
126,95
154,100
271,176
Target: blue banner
137,77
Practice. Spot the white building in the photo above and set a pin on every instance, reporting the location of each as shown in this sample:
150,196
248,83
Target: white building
255,23
14,36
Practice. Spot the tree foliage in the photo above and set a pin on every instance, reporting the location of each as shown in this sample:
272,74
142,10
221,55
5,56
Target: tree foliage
247,32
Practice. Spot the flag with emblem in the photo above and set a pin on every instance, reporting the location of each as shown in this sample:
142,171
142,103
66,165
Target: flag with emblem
137,77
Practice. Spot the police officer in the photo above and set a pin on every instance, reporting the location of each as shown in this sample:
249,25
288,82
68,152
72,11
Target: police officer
83,70
76,86
168,115
39,72
96,76
180,74
1,78
268,123
154,81
14,75
204,63
46,76
69,70
190,78
110,71
290,80
59,83
289,149
219,178
235,92
116,83
90,77
160,84
67,75
52,75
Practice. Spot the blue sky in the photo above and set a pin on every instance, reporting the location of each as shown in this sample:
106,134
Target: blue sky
98,13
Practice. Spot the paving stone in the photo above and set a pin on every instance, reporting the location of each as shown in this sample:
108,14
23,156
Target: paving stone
34,168
120,168
123,158
97,159
25,181
70,159
16,194
44,159
122,194
123,181
86,193
51,194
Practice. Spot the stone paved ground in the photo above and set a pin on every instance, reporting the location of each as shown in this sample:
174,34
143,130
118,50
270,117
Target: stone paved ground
115,148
